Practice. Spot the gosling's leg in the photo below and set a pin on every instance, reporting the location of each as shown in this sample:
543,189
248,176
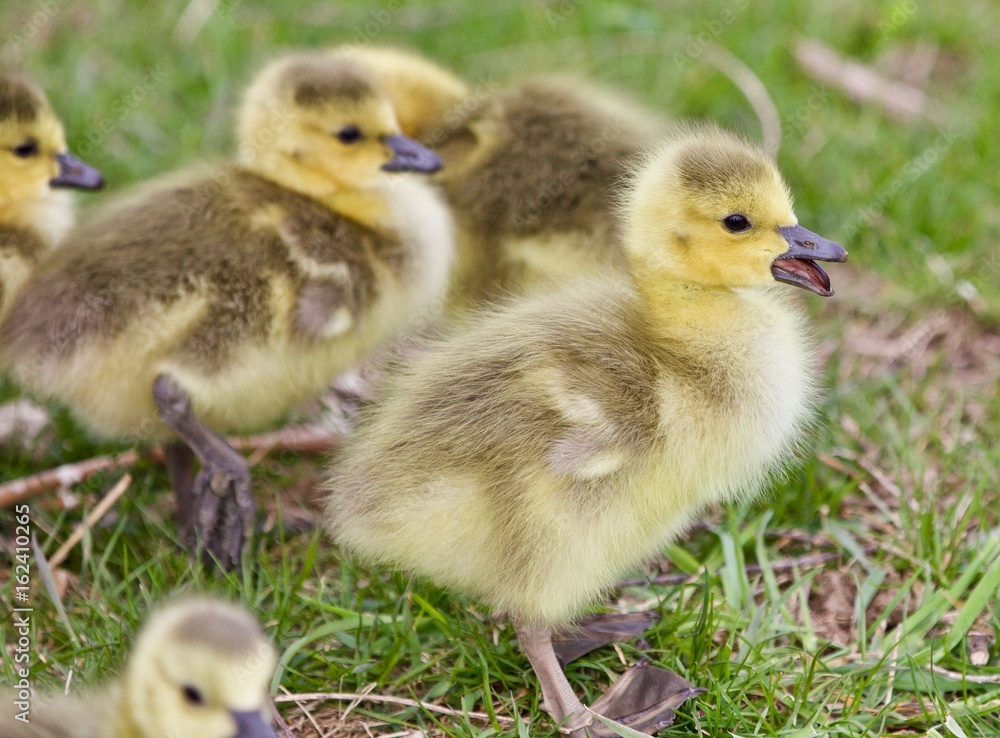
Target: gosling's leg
557,694
223,508
643,698
179,460
599,630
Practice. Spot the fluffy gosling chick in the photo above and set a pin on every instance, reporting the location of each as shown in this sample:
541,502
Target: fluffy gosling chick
555,443
217,301
34,163
200,669
530,171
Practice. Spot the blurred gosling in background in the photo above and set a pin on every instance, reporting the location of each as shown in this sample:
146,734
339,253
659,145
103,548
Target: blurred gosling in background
36,212
218,300
199,669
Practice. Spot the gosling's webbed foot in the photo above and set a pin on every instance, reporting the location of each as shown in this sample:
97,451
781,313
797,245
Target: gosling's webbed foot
599,630
643,699
224,510
217,514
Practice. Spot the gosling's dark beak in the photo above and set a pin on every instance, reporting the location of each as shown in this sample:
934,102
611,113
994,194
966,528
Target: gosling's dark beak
251,725
74,173
409,156
798,265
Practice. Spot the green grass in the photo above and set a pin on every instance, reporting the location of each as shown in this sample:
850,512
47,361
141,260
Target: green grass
842,649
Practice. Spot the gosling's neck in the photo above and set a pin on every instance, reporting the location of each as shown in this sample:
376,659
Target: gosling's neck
50,216
683,309
366,205
675,304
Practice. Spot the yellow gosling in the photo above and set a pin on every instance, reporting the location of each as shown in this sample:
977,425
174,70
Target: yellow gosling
35,213
216,301
537,455
200,669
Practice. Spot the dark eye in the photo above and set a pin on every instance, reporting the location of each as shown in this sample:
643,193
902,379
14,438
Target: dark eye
28,148
193,696
736,223
349,134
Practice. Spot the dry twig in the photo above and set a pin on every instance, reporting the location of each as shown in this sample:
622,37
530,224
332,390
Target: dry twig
63,476
837,465
388,699
864,85
305,711
280,721
970,678
95,515
754,91
303,439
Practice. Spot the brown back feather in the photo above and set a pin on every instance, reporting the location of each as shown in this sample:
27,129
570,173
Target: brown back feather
169,244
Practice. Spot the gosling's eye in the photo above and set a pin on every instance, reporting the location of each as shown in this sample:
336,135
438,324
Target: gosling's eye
27,149
192,695
349,134
736,223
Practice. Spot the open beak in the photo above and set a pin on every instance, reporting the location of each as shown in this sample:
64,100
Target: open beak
409,156
74,173
798,265
251,725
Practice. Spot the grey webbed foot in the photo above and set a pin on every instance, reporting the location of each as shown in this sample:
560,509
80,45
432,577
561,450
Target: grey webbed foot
599,630
224,510
218,512
643,698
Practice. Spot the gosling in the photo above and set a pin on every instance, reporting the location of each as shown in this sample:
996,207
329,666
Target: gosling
216,301
538,454
35,212
200,669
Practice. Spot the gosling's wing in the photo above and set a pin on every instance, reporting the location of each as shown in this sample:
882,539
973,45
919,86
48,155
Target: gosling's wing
561,383
558,384
587,452
337,262
237,243
322,309
604,422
